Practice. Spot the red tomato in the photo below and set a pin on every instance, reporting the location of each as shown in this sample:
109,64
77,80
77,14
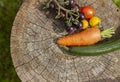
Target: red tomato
88,11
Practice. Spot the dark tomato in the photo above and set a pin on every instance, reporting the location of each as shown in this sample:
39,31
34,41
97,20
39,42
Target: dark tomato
63,13
70,30
80,25
76,7
88,11
52,5
81,16
72,3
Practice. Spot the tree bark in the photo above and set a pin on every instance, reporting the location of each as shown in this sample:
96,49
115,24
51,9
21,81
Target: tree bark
37,57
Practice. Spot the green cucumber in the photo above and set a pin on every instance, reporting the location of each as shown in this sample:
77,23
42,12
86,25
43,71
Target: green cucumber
98,49
117,2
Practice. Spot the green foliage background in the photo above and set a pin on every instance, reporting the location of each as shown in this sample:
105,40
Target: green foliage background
8,10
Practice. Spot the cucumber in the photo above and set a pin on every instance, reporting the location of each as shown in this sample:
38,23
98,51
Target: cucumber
97,49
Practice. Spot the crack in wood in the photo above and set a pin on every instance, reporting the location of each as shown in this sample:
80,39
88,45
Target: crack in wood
76,69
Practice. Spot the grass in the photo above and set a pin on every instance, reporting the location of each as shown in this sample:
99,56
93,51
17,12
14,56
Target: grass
8,10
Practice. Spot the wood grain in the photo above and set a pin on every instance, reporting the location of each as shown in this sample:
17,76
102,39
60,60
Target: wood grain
37,57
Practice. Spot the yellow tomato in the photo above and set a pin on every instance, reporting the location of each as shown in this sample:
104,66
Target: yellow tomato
85,24
94,21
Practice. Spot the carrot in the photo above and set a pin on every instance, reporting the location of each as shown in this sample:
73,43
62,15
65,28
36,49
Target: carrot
87,37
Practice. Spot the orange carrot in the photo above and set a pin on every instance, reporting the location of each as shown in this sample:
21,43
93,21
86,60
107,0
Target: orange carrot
86,37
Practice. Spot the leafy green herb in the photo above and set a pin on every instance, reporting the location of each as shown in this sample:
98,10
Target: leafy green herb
117,2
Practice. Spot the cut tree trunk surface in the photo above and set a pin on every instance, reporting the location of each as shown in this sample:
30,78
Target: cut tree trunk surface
37,57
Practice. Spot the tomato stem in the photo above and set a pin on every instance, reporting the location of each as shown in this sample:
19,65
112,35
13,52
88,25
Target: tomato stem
69,13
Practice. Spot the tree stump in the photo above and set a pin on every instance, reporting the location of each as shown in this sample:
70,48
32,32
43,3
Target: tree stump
37,57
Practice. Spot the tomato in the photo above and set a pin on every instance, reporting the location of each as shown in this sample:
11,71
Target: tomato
72,3
94,21
88,11
85,24
63,14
